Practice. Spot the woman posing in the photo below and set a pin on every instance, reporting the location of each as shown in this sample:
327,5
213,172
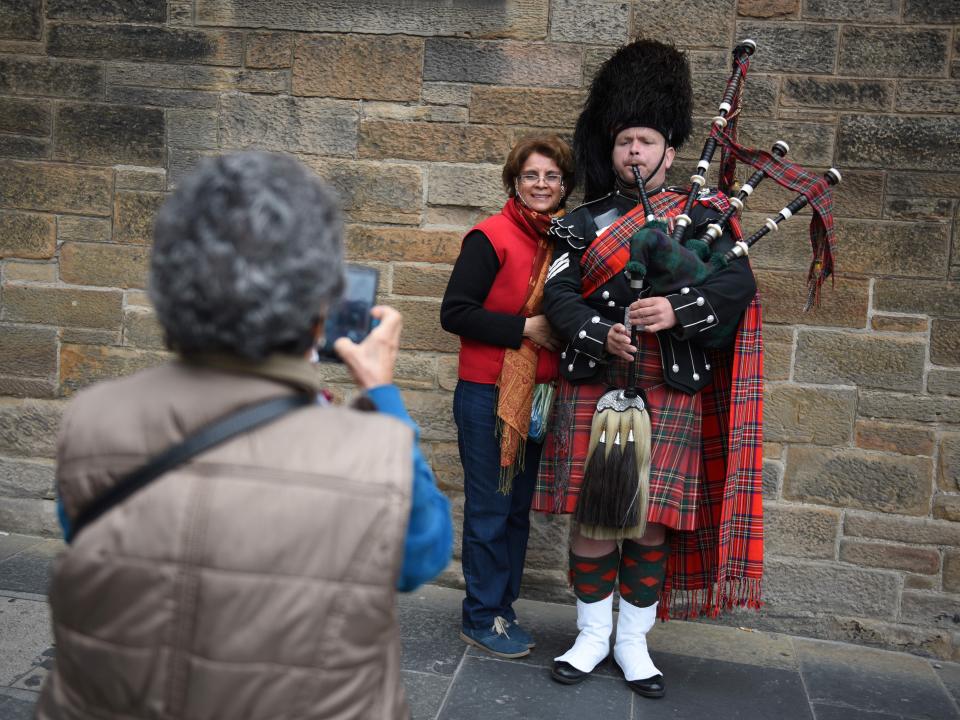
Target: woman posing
506,346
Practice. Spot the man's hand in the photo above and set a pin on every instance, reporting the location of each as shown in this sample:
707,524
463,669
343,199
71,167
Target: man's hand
372,361
654,313
618,342
538,329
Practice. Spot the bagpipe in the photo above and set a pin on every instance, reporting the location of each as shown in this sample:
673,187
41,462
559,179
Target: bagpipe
615,489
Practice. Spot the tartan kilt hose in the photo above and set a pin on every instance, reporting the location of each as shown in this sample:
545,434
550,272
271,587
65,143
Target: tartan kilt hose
675,419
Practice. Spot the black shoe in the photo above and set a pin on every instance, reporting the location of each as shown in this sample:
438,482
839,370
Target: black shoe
564,672
651,687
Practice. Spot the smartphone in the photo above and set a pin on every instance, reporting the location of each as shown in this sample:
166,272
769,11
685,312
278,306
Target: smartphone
350,317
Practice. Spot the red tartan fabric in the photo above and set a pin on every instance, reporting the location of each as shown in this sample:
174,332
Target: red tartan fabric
719,565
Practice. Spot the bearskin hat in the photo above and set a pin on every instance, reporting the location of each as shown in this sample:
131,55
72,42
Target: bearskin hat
643,84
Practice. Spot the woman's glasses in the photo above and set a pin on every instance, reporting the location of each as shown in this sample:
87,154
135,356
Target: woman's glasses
551,179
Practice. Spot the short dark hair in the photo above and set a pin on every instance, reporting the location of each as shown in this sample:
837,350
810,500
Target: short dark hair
551,146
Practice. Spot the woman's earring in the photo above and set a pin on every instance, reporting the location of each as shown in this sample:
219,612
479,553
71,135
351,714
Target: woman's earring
563,191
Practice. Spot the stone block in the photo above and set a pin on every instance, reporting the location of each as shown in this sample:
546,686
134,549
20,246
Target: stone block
54,187
951,571
401,244
930,11
145,42
131,177
799,531
602,21
525,19
810,143
845,477
890,362
948,470
906,142
771,478
30,516
922,96
941,381
916,531
74,228
421,327
433,412
941,299
83,365
442,93
109,134
25,117
946,507
889,248
893,52
899,323
103,264
444,459
499,63
182,161
28,427
918,208
62,306
26,479
161,97
141,329
944,184
438,142
929,609
86,336
356,66
192,128
24,148
27,271
921,560
687,22
837,93
270,50
465,185
822,416
374,110
777,352
921,582
894,437
795,586
21,20
525,106
29,352
309,125
759,99
945,342
134,214
772,449
922,408
768,8
447,372
27,235
137,11
421,280
791,47
373,191
20,387
852,10
783,296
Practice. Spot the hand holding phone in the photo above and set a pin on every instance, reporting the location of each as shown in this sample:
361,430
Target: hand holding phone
350,316
371,362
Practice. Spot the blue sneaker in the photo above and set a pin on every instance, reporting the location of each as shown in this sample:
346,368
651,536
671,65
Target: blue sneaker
518,633
496,640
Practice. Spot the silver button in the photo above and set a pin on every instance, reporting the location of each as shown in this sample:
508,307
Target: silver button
700,301
570,367
675,368
709,318
606,295
707,366
563,355
595,319
592,363
582,334
684,291
612,304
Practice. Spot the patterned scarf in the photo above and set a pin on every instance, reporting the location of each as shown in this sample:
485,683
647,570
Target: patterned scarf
719,565
519,372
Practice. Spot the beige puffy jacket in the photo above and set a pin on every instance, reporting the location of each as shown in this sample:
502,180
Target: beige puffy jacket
255,582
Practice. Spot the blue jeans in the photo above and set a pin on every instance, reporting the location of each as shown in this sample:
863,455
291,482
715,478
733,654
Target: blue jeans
495,526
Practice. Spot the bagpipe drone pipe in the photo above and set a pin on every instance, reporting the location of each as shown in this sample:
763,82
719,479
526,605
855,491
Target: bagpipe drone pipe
615,490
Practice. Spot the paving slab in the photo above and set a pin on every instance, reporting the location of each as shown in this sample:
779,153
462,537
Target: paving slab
873,680
16,704
837,712
24,636
29,569
11,544
949,674
425,693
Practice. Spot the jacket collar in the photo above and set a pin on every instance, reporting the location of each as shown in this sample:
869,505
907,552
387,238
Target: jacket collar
287,369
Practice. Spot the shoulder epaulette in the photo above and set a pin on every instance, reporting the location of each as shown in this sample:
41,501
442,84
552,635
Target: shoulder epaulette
563,229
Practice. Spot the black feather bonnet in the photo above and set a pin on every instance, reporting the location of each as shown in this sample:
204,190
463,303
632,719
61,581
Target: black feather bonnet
643,84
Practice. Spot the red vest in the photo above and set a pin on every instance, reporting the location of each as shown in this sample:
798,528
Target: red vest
516,250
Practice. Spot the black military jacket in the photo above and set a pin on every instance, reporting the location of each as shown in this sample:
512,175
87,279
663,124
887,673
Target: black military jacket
707,315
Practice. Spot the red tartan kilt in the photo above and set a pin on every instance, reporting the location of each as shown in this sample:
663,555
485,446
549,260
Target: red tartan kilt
676,462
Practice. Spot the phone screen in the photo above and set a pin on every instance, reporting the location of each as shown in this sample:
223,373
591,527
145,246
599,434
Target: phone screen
350,317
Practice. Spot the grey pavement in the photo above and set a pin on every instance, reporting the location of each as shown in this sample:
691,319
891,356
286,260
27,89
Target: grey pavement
712,672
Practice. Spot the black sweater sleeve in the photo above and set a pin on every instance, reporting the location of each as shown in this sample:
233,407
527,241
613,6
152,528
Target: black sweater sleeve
462,312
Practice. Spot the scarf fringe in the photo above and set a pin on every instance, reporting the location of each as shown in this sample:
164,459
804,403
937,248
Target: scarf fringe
509,472
711,601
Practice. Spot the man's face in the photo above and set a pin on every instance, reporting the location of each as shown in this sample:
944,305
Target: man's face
642,147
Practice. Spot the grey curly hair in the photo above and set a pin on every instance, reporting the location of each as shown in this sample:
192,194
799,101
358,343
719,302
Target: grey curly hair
247,255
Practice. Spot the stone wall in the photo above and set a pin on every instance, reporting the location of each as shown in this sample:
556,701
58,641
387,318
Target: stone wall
408,109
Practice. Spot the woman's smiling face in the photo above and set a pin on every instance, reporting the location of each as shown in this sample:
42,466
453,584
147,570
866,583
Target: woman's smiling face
540,183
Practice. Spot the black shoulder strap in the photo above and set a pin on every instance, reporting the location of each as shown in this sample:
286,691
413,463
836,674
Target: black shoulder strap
246,418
